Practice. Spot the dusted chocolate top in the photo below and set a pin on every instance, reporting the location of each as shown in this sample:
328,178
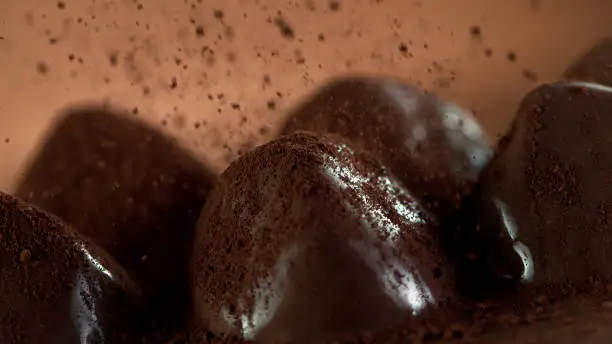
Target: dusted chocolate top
56,287
435,148
545,204
305,239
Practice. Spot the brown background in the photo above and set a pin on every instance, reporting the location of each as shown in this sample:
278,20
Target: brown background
52,56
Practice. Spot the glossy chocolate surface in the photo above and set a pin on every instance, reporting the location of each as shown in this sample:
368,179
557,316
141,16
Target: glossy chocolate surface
435,148
131,190
305,239
57,287
544,206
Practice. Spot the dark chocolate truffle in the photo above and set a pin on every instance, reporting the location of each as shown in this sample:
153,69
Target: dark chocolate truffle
305,239
435,148
595,65
56,287
130,189
544,205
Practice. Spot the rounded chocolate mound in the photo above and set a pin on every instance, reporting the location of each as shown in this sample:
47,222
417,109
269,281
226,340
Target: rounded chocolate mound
56,287
130,189
544,206
304,240
435,148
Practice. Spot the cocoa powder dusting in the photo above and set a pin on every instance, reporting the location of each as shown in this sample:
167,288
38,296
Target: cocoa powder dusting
289,221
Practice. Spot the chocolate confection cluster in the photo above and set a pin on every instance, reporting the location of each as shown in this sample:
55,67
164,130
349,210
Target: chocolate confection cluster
380,214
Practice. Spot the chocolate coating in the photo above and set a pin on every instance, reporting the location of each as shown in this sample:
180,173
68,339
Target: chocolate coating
56,287
595,65
305,239
435,148
544,208
130,189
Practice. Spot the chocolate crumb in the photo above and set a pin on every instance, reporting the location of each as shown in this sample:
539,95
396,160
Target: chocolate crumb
199,30
475,31
218,14
264,130
530,75
42,68
285,29
235,106
113,59
511,56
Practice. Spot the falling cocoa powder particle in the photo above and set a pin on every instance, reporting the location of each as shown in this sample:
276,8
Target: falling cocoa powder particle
511,56
334,5
25,255
488,52
285,29
321,37
52,41
530,75
173,83
229,32
7,140
475,31
264,130
42,68
403,48
113,59
199,30
235,106
218,14
271,105
61,5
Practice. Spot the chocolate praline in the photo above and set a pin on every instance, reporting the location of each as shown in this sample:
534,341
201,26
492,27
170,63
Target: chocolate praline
306,239
434,147
57,287
130,189
542,216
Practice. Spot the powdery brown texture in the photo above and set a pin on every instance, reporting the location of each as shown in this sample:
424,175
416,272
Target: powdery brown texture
56,287
304,240
435,148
